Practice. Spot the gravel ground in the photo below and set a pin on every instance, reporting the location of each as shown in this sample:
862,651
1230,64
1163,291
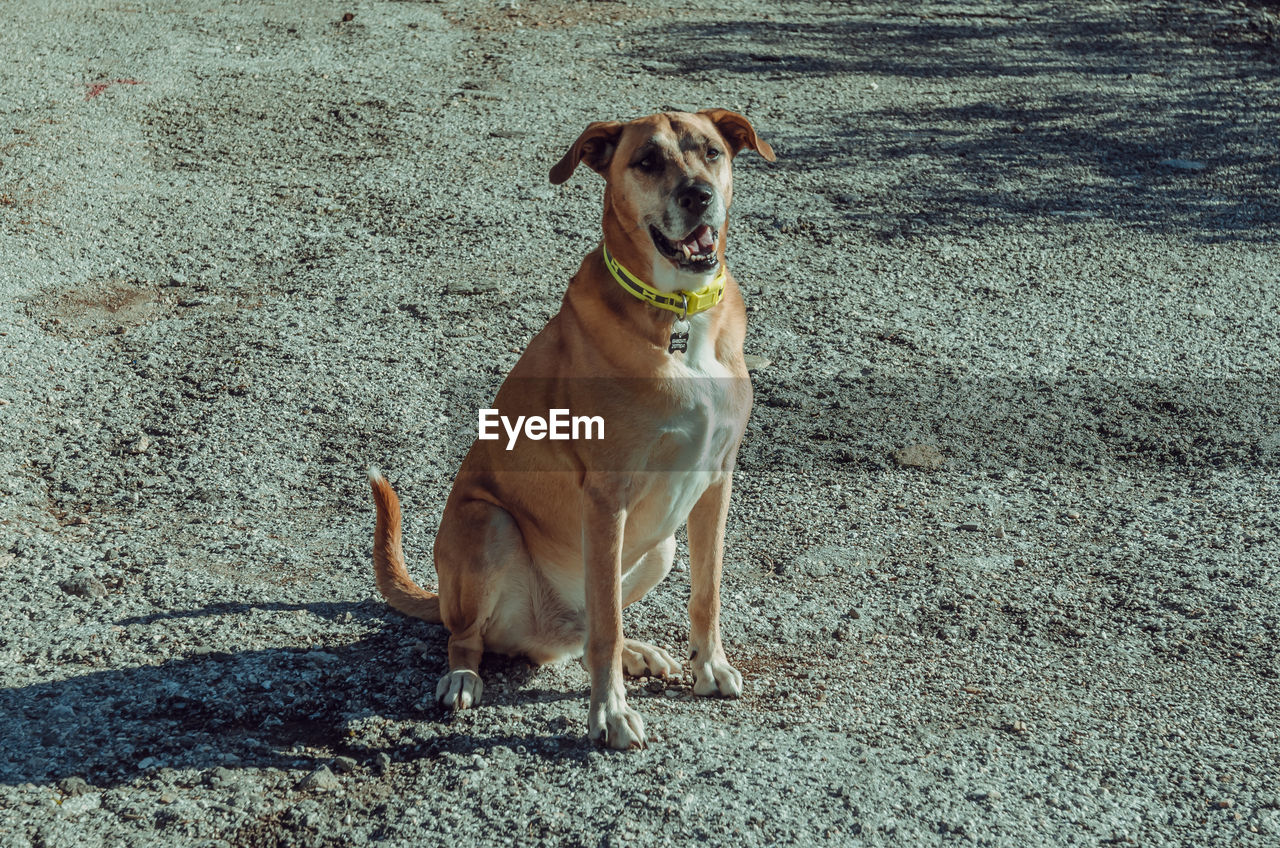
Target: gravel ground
1003,556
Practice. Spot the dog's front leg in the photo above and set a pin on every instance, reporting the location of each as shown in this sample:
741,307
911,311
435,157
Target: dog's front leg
712,674
604,517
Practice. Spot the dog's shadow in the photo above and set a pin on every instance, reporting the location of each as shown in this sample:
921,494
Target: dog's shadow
275,707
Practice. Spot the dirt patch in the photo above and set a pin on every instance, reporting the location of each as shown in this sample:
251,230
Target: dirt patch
98,308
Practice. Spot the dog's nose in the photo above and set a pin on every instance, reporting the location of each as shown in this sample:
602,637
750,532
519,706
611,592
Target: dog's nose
696,198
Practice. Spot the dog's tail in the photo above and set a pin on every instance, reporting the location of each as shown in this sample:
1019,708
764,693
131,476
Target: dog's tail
393,579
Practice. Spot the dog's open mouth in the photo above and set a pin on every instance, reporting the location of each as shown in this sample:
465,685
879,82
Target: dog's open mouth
695,252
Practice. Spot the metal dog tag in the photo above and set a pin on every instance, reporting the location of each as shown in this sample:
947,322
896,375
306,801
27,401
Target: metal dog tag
679,336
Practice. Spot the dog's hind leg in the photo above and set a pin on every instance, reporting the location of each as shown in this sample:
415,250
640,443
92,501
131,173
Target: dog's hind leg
477,548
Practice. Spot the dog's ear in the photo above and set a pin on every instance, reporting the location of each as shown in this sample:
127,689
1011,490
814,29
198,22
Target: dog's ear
738,131
595,147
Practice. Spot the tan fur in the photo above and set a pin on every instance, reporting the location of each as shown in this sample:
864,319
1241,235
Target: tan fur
392,577
541,547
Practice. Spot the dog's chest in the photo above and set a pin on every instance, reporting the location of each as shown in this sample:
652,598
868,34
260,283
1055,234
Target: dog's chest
694,440
704,415
699,361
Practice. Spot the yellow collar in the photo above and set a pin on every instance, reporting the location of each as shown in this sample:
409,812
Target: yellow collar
683,303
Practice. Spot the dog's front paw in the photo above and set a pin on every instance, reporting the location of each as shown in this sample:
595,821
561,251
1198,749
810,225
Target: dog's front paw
640,659
714,676
615,724
459,689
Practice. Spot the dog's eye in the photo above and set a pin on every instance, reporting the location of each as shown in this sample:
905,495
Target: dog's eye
651,163
714,153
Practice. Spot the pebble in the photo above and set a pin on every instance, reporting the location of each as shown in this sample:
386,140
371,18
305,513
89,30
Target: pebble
84,586
344,764
1182,164
221,776
320,780
756,363
72,786
925,457
969,526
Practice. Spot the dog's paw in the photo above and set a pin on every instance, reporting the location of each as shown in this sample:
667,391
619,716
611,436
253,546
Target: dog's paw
459,689
714,676
643,660
615,724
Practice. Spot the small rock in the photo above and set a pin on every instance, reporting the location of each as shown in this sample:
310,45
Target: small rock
84,586
141,445
756,363
221,776
1018,726
344,765
968,526
1019,562
382,761
1182,164
320,780
926,457
470,287
972,690
72,786
348,17
80,804
999,533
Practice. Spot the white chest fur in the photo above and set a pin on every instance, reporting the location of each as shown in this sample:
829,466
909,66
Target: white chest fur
699,361
694,441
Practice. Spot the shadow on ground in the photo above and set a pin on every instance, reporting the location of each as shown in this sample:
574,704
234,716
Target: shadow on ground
275,707
1057,148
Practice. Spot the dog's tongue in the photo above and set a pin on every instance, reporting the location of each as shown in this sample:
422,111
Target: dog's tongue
701,240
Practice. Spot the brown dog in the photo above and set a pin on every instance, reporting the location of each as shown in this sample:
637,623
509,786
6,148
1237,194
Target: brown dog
543,541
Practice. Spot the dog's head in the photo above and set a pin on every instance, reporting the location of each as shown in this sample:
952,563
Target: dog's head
669,182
